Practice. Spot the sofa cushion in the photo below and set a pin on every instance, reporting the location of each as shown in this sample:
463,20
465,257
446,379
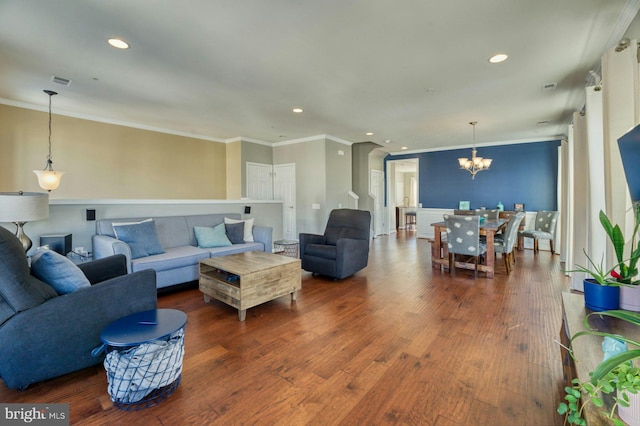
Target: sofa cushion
172,258
141,237
235,232
211,236
58,271
248,228
19,291
321,250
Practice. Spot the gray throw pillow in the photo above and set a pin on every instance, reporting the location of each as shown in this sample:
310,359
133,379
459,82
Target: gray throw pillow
141,237
235,232
57,271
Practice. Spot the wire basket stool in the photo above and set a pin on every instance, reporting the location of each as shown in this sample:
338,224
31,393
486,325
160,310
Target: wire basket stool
144,375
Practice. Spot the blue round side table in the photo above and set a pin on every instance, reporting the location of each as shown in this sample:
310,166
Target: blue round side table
144,357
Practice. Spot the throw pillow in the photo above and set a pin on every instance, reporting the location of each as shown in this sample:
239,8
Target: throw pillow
114,224
208,236
141,237
57,271
235,232
248,228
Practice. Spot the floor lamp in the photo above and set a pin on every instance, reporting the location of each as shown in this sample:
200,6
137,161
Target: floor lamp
22,207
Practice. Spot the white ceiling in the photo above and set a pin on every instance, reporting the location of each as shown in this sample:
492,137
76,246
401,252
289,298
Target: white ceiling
412,71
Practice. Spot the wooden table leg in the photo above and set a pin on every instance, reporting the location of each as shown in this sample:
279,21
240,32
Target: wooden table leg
490,255
435,247
242,314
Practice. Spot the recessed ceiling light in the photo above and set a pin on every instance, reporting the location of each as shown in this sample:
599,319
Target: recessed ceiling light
387,141
369,133
500,57
404,147
120,44
297,110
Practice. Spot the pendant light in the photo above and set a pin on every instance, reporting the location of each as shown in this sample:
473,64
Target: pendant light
48,178
475,164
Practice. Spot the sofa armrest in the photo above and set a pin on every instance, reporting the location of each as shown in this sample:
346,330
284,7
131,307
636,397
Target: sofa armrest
104,246
309,239
104,269
57,337
263,234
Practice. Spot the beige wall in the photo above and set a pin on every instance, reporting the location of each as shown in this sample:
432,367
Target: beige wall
109,161
234,171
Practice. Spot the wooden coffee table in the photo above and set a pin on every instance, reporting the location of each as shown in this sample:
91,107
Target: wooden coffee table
244,280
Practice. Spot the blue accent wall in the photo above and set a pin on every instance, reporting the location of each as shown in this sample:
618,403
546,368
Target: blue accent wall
520,173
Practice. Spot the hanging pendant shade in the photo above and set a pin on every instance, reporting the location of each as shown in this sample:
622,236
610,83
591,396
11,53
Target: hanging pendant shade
48,178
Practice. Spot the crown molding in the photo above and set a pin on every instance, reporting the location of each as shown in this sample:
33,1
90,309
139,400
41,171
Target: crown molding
486,144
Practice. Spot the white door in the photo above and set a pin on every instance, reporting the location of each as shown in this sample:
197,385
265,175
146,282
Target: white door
259,181
377,192
284,188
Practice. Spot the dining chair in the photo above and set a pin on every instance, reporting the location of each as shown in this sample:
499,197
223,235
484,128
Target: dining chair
463,238
545,227
506,242
488,214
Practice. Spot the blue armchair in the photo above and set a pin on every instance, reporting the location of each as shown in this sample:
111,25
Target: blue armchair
343,250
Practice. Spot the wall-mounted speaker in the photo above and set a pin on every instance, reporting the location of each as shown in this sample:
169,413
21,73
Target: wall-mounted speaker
91,214
247,209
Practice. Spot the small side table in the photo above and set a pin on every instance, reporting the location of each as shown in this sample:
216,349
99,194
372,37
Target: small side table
287,248
144,357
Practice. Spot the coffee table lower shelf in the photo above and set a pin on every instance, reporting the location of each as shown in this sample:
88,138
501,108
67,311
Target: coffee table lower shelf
245,280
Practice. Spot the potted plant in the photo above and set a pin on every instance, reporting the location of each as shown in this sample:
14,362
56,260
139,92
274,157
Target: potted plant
626,276
615,376
604,287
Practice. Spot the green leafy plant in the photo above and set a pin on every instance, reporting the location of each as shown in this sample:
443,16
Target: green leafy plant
616,375
628,271
627,268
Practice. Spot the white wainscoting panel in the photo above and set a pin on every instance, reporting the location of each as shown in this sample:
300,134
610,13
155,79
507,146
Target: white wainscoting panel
424,219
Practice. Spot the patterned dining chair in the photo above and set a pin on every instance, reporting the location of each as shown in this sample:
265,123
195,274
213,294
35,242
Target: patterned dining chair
545,228
463,238
506,242
488,214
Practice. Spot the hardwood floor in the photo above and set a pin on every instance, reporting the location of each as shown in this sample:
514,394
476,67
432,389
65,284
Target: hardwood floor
398,343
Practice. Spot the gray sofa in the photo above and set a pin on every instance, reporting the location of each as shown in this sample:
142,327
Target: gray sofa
179,262
45,335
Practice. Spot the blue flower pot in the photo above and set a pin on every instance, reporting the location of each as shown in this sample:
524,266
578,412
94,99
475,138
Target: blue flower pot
601,297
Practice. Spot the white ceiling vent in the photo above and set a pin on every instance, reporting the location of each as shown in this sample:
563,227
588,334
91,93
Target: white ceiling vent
60,80
549,87
542,123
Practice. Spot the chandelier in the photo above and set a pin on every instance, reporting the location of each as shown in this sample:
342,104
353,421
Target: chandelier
48,178
475,164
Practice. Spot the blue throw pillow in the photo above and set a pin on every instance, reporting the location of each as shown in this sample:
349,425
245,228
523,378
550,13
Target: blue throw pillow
57,271
141,237
208,236
235,232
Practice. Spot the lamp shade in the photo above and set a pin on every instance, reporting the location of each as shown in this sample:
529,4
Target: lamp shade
48,179
23,206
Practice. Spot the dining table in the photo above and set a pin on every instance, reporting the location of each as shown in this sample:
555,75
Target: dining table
440,252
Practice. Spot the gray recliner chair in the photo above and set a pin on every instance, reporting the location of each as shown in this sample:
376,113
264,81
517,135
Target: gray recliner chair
343,250
45,335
